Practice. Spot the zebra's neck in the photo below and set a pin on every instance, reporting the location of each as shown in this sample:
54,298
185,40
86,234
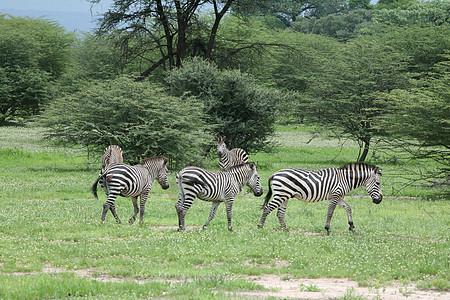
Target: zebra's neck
354,178
240,174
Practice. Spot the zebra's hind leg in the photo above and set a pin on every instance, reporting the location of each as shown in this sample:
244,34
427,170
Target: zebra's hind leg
344,204
229,204
113,211
276,202
142,204
331,207
136,210
214,206
280,214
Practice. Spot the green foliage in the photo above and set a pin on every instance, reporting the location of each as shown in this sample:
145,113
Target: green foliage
32,53
408,12
141,118
97,57
341,26
237,107
428,105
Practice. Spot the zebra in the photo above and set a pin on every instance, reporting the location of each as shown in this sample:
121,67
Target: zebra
132,181
314,186
229,158
216,187
112,155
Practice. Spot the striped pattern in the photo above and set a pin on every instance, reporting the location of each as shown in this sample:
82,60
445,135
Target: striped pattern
216,187
313,186
112,155
132,181
229,158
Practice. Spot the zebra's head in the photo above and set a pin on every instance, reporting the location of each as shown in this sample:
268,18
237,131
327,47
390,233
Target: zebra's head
157,166
254,183
221,146
373,185
161,178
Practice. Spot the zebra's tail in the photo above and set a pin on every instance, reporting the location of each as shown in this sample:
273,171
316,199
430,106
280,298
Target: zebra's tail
269,193
94,187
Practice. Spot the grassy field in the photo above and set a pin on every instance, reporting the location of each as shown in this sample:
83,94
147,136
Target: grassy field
53,245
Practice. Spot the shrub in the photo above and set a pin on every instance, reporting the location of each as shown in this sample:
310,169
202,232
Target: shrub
236,106
139,117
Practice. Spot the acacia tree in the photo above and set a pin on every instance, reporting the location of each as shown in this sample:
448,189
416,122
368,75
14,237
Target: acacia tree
168,24
418,121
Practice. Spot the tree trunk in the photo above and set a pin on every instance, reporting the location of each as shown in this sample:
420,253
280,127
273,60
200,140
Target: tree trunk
219,16
363,156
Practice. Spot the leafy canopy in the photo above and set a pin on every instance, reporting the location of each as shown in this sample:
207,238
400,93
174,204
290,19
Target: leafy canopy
140,118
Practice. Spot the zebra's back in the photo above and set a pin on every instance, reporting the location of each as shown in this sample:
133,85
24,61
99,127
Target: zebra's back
212,183
128,181
306,185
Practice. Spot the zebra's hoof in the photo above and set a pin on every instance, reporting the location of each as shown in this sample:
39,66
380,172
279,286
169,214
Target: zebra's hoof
181,229
285,229
230,228
260,225
131,221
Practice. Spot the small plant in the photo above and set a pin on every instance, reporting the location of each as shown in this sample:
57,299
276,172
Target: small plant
309,288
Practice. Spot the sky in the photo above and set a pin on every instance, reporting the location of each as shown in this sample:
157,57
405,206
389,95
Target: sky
74,15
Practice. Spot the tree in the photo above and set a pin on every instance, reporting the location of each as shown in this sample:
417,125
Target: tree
140,118
419,119
345,91
236,106
168,26
33,52
292,10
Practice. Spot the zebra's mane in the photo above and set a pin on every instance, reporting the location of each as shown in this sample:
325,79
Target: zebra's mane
153,158
353,164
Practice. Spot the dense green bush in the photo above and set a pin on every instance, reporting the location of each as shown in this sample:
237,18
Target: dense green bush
237,107
139,117
33,53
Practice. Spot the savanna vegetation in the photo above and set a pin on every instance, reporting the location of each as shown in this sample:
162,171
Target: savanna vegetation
301,84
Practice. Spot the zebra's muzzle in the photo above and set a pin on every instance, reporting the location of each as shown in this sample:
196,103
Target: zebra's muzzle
258,193
377,201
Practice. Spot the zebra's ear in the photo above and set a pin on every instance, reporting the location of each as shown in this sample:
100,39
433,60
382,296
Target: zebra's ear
252,165
165,160
378,171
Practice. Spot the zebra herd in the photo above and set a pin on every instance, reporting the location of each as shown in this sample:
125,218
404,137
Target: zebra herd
117,178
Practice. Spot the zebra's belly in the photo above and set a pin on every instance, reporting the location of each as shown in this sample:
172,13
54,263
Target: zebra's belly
310,198
209,198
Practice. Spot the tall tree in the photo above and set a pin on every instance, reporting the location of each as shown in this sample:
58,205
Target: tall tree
167,23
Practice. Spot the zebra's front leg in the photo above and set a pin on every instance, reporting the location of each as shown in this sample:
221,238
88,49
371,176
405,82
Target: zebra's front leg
331,207
214,206
136,210
280,214
347,208
229,204
144,197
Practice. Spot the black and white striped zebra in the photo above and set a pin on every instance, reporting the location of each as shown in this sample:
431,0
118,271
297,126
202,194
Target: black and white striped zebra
313,186
216,187
229,158
112,155
132,181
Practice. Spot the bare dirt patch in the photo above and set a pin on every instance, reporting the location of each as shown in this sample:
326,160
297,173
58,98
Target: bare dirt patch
333,288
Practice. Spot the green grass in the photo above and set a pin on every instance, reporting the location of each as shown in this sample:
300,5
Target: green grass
49,219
